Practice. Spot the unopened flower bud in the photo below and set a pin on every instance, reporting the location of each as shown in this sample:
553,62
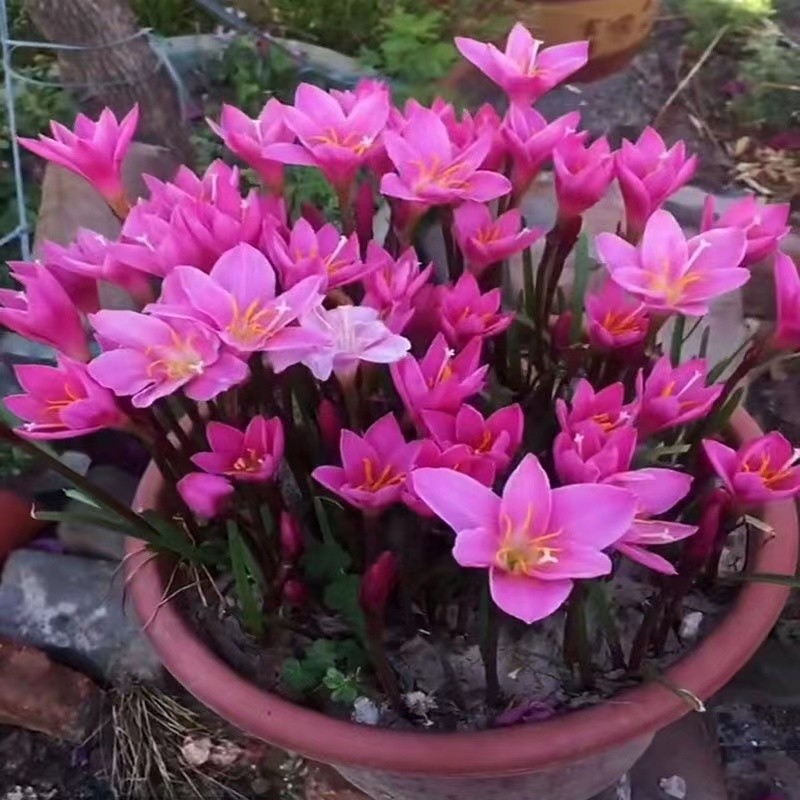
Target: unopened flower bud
330,424
292,541
206,495
295,593
378,582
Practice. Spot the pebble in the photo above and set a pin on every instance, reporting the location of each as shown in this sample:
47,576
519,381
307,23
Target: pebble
674,786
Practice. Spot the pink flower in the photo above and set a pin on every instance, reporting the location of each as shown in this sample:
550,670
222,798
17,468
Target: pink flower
154,358
348,99
378,583
43,311
604,410
522,72
441,380
335,140
325,253
252,456
673,275
465,131
760,471
249,138
673,396
485,241
392,287
62,401
95,150
587,455
615,319
374,467
534,540
293,542
237,299
465,313
648,173
347,335
206,495
656,491
458,457
763,225
787,292
583,174
530,141
497,437
431,171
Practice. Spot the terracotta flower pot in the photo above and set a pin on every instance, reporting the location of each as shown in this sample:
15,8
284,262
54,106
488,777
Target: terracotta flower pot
570,757
17,526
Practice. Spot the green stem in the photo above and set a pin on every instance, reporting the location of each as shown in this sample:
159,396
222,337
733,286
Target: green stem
596,592
490,637
577,651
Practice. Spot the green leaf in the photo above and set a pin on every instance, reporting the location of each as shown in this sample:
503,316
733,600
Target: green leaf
701,353
527,282
248,580
326,560
298,677
343,688
321,656
80,497
720,419
350,654
583,264
342,595
676,344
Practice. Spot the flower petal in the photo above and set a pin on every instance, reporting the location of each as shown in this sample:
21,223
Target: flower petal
526,598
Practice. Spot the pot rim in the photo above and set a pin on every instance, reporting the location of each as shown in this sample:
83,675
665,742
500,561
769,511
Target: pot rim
635,712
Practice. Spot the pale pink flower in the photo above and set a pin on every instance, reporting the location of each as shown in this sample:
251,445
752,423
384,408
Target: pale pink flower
497,437
671,274
249,138
465,313
616,320
374,467
648,173
62,401
787,293
764,225
440,380
154,358
522,71
251,456
95,150
336,140
43,311
486,241
207,495
672,396
760,471
583,174
534,540
238,300
431,171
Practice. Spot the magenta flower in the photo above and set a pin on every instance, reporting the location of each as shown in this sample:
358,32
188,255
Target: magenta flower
787,293
346,336
458,457
377,584
522,71
348,99
431,171
374,468
251,456
583,174
587,455
497,437
656,491
465,313
673,396
249,138
43,311
760,471
441,380
534,540
237,300
335,140
616,320
530,141
392,286
325,253
154,358
763,225
648,173
465,131
485,241
604,410
207,495
673,275
62,401
95,151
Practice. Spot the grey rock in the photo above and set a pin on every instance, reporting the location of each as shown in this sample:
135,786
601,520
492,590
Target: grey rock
73,606
97,540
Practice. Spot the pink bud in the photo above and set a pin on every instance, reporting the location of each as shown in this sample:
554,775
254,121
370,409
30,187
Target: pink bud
295,593
560,331
330,424
206,495
312,215
378,582
292,542
703,544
